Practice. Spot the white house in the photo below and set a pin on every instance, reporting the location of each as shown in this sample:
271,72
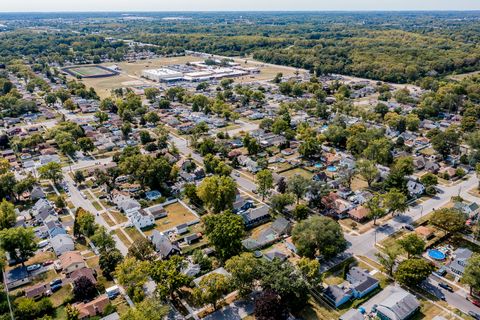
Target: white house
141,219
62,243
415,188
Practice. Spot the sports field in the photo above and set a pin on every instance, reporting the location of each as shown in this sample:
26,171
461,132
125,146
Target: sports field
90,71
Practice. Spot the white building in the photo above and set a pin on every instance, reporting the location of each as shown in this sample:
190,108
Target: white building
141,219
162,75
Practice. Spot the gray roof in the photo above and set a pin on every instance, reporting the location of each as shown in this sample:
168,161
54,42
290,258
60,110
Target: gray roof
162,244
399,305
352,314
337,294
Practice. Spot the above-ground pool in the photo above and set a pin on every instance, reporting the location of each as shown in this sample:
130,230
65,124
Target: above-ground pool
318,165
436,254
331,169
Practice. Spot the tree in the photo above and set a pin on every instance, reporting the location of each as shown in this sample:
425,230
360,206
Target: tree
217,193
85,222
268,306
318,235
471,275
27,308
310,147
152,117
72,312
78,177
446,142
412,272
60,202
225,231
300,212
264,182
282,185
151,93
150,308
168,276
108,261
388,258
429,180
310,269
412,244
244,271
51,171
375,208
278,202
101,116
395,201
102,239
450,220
69,105
298,186
142,250
367,170
212,288
8,217
84,289
132,273
19,243
281,277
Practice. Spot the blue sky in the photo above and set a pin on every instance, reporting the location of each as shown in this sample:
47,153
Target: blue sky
233,5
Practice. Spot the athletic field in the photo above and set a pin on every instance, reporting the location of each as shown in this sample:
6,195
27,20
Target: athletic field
90,71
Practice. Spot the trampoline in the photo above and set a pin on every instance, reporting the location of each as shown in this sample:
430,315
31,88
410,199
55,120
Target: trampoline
436,254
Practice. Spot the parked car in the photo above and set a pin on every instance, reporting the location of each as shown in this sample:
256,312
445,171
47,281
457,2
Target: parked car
445,286
55,282
55,288
474,315
408,227
47,263
33,267
441,272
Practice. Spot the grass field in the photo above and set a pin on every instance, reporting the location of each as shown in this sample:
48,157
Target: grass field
177,214
90,71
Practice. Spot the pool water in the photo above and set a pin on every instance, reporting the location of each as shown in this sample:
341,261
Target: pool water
436,254
318,165
331,169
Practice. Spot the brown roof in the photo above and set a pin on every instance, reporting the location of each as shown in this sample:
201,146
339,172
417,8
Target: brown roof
69,258
359,213
94,307
84,272
36,290
423,231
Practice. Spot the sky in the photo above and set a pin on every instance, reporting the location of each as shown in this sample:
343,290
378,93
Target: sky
233,5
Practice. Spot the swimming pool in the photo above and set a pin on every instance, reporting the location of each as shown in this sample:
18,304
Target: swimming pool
318,165
331,169
436,254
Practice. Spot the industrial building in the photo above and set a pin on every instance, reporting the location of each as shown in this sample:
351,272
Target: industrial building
162,75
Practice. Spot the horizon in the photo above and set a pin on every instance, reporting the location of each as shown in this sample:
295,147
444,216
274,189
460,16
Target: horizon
87,6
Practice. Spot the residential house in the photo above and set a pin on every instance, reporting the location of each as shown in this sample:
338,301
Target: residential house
37,291
431,167
275,254
62,243
256,216
163,245
425,232
37,193
16,277
54,227
84,272
71,261
157,211
141,218
459,260
399,305
470,209
93,308
359,213
361,282
352,314
415,189
337,295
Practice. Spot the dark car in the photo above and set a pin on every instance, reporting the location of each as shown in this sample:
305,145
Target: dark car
445,286
55,282
441,272
474,315
409,227
55,288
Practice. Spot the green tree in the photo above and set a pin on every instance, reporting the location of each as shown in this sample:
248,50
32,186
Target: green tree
212,288
101,116
388,259
168,276
151,93
72,312
429,180
60,202
8,217
51,171
367,170
298,186
318,235
78,176
301,212
85,222
108,261
86,144
412,244
395,201
102,239
225,231
264,182
217,193
244,270
142,250
132,273
279,201
150,308
412,272
310,269
375,208
450,220
471,275
18,242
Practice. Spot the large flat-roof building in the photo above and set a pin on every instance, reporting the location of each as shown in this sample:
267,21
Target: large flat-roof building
162,75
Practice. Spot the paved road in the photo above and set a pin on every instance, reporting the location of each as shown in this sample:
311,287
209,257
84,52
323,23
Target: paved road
364,244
